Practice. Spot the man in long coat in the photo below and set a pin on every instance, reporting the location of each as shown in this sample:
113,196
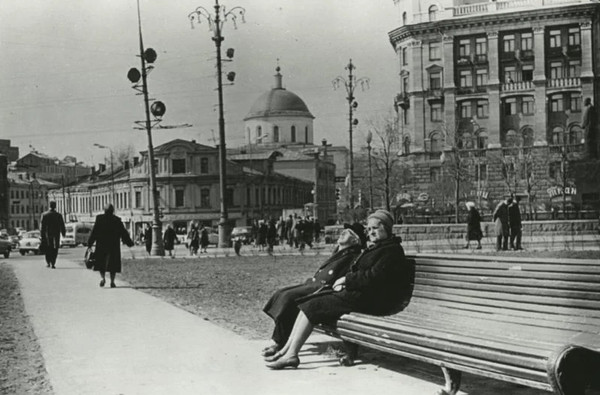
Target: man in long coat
514,221
108,232
53,226
501,224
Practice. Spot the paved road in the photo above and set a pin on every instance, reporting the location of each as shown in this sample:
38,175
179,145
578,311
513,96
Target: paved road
122,341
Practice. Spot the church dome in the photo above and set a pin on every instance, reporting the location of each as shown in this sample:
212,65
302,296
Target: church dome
278,102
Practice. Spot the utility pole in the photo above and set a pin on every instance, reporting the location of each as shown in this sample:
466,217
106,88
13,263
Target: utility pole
369,139
215,23
350,85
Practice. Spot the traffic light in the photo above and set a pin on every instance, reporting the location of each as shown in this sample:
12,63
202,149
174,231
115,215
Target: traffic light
338,192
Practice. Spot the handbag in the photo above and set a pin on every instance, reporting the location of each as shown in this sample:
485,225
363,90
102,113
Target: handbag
89,258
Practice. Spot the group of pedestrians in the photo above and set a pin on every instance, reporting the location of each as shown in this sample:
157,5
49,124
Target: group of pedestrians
198,239
508,226
296,231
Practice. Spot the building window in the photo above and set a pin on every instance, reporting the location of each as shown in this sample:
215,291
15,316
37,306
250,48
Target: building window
204,165
557,135
465,109
508,43
275,134
481,46
406,145
574,37
204,198
575,135
435,174
557,103
433,11
575,68
464,48
293,130
526,41
436,112
483,110
554,170
435,80
481,77
556,70
435,51
229,197
575,102
405,85
510,74
306,134
179,194
435,144
404,56
527,72
510,106
258,131
178,166
527,106
511,139
481,139
404,18
555,41
466,79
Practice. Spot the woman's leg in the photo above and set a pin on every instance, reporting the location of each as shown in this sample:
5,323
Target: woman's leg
289,353
103,280
112,279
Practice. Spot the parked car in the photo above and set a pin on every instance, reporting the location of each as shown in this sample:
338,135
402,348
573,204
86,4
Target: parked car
5,246
244,233
30,242
14,240
67,241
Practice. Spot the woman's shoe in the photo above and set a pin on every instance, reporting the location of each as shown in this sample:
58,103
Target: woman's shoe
273,357
271,350
291,362
102,282
113,285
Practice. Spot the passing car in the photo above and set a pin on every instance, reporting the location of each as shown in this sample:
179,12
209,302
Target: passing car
14,241
67,241
243,233
30,242
5,246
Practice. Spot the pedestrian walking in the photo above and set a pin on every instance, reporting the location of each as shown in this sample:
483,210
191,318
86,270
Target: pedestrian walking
271,235
169,240
107,234
473,225
514,221
148,238
500,217
203,239
194,237
53,226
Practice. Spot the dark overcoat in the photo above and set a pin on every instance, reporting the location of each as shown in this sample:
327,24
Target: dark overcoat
501,219
169,239
108,232
377,283
53,226
283,302
474,225
514,217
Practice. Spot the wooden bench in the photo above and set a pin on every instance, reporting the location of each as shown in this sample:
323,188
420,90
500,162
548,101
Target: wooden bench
528,321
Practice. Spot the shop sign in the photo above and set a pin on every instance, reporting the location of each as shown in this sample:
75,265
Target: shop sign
559,191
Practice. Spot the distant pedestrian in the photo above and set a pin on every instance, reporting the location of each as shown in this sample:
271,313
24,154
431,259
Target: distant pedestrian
261,241
514,221
148,238
271,235
108,232
592,140
169,240
194,238
53,226
500,217
473,225
203,239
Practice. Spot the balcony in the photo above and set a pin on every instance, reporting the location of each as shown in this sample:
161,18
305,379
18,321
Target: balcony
559,83
436,93
507,5
569,148
520,86
480,59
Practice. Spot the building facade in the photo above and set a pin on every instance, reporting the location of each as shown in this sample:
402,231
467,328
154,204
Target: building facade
28,199
491,99
187,177
63,171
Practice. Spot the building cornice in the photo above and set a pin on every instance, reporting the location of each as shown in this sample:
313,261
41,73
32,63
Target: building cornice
493,21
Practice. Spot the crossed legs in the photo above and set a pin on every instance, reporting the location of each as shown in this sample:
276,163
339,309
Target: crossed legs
288,355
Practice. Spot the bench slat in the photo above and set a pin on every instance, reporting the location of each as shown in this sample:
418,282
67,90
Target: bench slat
548,264
593,279
507,288
502,258
523,282
477,364
562,307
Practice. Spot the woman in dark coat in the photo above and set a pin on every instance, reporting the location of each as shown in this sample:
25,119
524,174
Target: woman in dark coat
108,232
377,283
169,240
148,238
283,308
473,225
203,239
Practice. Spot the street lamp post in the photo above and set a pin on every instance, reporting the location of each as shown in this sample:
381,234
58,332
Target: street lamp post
158,109
563,167
112,170
216,25
369,138
350,85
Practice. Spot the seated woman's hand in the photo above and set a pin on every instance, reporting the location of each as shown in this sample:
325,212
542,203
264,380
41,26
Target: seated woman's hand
339,284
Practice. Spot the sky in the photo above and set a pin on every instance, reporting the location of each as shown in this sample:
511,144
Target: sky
64,63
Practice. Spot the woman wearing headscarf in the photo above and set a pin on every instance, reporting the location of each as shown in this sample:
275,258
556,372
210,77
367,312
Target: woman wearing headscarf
377,283
283,306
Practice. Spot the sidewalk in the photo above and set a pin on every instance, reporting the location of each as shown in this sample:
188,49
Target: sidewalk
121,341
